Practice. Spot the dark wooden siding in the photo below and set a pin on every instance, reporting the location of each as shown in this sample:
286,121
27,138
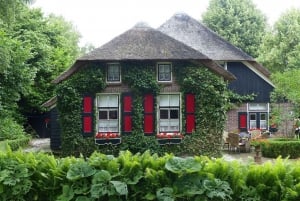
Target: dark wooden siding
248,82
55,141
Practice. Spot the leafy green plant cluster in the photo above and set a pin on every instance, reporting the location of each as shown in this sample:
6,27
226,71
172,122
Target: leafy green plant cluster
15,144
69,103
283,147
211,95
10,129
42,177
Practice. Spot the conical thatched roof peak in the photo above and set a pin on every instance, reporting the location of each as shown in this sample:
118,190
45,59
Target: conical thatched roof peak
196,35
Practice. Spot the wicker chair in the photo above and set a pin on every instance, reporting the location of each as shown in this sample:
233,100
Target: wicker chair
234,141
237,144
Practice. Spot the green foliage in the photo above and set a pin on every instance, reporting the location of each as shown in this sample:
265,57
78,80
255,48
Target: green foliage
53,43
39,177
141,79
10,129
239,22
280,49
274,148
211,105
287,86
211,101
69,103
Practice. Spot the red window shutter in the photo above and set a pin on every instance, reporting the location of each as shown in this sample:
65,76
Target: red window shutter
87,124
148,104
190,103
87,104
242,121
87,116
190,113
127,102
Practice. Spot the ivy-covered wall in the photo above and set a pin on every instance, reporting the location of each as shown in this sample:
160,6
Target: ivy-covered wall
211,102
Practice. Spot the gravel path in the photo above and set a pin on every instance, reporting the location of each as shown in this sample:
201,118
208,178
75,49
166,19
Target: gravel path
39,144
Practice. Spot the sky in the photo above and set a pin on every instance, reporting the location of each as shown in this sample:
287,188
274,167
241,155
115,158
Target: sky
99,21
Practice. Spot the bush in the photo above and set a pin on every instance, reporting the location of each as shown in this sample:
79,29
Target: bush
10,129
42,177
284,147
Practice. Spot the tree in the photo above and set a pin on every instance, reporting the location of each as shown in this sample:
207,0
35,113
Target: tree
280,50
54,46
34,49
237,21
8,8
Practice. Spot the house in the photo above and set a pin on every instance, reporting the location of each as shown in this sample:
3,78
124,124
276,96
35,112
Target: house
107,112
251,77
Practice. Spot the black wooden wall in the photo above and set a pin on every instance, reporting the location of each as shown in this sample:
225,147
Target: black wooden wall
248,82
55,141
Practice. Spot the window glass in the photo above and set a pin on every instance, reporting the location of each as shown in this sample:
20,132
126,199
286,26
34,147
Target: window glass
103,115
174,114
113,114
263,116
164,72
113,73
174,100
169,117
164,114
108,109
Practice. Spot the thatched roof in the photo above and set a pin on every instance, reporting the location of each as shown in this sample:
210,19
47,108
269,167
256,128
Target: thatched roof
143,43
193,33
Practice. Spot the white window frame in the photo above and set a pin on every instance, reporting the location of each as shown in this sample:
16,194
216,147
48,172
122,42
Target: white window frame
160,64
108,125
115,79
252,123
172,125
263,123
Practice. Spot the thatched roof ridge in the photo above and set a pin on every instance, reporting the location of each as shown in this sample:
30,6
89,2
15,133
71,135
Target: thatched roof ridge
196,35
143,43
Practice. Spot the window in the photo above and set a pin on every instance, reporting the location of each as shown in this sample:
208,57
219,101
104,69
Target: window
108,112
164,72
169,113
113,72
253,121
263,121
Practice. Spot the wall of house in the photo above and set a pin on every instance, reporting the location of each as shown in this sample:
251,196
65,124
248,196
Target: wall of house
232,117
248,82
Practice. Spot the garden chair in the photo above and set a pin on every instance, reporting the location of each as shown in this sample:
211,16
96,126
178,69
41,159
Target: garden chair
234,142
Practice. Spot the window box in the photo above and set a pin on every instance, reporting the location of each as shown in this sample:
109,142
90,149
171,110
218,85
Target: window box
107,138
169,138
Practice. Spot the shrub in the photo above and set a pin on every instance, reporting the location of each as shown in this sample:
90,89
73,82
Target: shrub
10,129
284,147
42,177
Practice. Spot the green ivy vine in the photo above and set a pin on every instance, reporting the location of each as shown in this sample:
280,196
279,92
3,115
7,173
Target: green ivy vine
211,103
69,104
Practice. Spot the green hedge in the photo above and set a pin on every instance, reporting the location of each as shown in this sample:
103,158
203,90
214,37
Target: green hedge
42,177
284,147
